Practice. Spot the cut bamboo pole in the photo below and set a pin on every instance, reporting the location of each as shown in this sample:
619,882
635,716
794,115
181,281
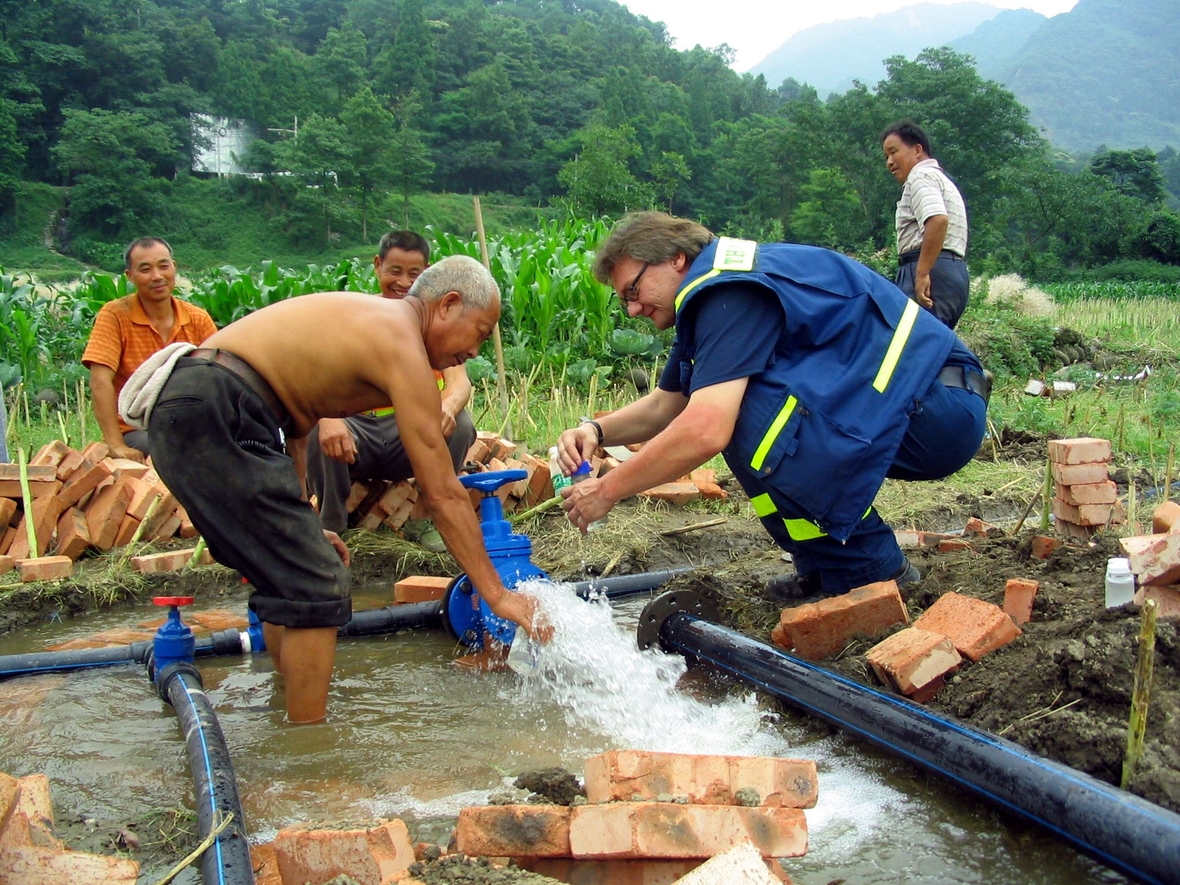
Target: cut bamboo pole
27,498
501,382
1141,696
197,551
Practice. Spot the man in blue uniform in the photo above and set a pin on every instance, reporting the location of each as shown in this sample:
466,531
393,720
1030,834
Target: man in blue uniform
814,376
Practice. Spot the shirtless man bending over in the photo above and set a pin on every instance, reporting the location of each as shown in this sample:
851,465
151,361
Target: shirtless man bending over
217,442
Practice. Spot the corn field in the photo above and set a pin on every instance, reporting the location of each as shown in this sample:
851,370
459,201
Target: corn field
555,315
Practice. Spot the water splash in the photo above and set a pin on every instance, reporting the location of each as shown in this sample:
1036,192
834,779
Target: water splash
596,675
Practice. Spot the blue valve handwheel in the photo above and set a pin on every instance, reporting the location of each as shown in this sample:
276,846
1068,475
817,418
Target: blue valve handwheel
492,480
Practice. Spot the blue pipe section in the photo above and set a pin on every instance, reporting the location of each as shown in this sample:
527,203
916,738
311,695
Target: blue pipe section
1129,834
227,860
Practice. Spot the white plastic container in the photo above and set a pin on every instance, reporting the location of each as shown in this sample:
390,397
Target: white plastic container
1120,583
522,654
560,480
583,473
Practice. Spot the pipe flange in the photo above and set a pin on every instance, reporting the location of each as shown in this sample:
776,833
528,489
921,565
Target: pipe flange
651,620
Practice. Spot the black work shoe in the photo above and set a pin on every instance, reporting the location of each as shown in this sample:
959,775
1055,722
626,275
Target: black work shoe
791,588
907,574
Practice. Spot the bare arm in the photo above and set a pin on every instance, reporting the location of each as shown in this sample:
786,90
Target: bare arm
699,432
637,422
933,237
456,394
106,412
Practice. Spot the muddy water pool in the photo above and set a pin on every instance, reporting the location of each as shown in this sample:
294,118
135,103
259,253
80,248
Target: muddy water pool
411,735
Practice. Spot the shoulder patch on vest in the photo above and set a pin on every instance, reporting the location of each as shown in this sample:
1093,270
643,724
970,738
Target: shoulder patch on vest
734,254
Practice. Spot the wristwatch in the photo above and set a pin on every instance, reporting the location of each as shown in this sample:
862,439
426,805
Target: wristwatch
597,427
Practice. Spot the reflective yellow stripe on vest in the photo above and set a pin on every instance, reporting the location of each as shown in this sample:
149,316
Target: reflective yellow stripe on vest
799,529
386,411
900,336
776,427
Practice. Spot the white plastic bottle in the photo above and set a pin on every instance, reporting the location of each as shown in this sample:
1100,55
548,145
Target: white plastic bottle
522,654
1120,583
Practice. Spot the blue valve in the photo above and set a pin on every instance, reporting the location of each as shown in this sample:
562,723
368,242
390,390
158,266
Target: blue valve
174,642
465,613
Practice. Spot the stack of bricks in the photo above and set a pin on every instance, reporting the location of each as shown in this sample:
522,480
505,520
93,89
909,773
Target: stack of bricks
374,503
81,500
1085,500
1155,562
652,817
31,854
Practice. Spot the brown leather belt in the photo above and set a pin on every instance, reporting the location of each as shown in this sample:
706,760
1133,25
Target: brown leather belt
911,256
252,379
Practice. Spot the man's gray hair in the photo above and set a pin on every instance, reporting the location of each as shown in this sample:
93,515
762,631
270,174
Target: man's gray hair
457,273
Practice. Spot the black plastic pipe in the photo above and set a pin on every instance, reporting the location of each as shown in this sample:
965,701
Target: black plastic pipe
227,860
619,586
1122,830
391,618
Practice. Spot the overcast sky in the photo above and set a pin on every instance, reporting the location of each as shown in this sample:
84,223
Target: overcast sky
755,28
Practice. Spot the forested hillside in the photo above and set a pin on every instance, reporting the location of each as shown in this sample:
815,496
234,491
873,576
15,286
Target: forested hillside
359,105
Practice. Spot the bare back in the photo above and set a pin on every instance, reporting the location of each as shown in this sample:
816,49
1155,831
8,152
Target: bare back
333,354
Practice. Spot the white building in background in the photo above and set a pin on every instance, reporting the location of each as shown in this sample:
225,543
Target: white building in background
227,142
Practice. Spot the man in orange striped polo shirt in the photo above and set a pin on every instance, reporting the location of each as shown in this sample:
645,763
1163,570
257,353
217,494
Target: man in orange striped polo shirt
128,330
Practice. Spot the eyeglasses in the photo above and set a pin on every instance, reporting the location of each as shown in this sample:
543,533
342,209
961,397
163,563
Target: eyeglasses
631,294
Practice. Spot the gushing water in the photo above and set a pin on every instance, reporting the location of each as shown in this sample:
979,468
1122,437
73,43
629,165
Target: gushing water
596,675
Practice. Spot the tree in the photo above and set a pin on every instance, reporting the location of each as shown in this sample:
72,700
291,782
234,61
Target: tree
340,63
668,174
317,157
407,64
12,157
830,213
369,149
111,158
410,164
597,180
1134,173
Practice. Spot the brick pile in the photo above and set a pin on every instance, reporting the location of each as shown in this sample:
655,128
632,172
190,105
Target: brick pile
374,503
1085,499
649,818
82,500
32,855
1155,562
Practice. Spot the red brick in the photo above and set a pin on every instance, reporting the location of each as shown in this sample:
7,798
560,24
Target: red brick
931,539
396,495
127,529
45,515
69,465
613,872
740,863
667,830
265,864
1079,450
479,452
678,493
1070,530
141,500
95,451
10,472
914,662
952,545
39,865
1019,595
622,775
6,540
1165,519
45,568
7,511
35,800
976,526
215,619
315,853
169,561
165,506
420,588
819,629
396,519
1157,562
38,488
1088,493
1079,474
7,564
167,529
508,830
356,494
126,467
1167,600
73,534
9,798
50,454
187,529
83,481
105,639
1084,514
974,626
1043,546
710,491
105,513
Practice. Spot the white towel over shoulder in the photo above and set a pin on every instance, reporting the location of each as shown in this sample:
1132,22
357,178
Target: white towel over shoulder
139,394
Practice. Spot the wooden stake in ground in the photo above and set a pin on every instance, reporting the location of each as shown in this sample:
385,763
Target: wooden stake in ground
1046,495
501,382
1141,696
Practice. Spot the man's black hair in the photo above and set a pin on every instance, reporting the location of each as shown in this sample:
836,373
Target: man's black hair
910,133
406,240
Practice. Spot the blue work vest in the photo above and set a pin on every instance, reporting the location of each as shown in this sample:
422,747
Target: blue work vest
822,424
